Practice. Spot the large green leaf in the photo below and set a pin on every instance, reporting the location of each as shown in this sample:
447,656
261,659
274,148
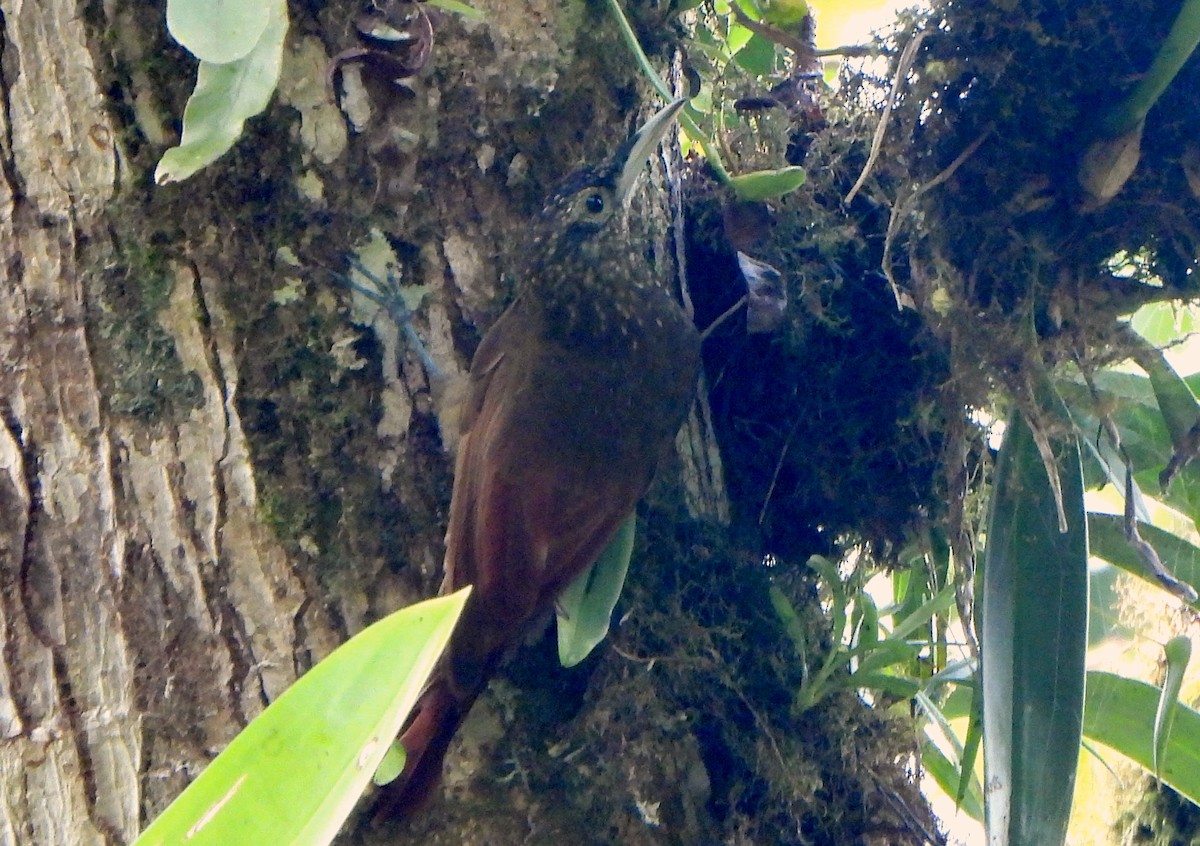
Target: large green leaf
226,95
1121,714
291,777
1033,639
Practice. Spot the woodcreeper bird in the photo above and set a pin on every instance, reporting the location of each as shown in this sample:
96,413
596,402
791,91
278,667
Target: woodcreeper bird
575,395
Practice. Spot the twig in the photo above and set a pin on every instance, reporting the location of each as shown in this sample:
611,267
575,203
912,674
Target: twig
685,120
725,315
902,67
900,210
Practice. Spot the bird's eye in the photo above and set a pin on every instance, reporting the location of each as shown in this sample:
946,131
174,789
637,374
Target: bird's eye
594,203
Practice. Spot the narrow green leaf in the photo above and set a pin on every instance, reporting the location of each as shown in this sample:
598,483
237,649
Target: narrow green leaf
291,777
970,753
786,614
1171,56
948,776
1133,409
1178,653
898,687
226,95
887,653
1120,715
767,184
585,608
218,31
866,623
939,603
1179,408
965,786
1033,640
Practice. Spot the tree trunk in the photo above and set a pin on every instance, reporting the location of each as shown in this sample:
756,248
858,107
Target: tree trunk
212,475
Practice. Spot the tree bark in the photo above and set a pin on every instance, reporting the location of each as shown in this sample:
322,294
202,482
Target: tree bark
212,474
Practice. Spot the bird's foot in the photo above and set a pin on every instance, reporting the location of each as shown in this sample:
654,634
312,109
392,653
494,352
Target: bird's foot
385,291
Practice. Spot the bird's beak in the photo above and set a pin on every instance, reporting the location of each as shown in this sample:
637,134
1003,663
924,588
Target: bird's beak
631,160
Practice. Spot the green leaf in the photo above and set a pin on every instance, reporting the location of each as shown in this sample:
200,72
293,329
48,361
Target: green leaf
886,653
1178,653
784,13
908,623
898,687
293,775
968,783
1164,323
1174,52
767,184
391,766
468,12
1134,410
785,612
828,571
948,776
1179,408
737,37
960,779
1120,714
757,57
1181,557
866,624
226,95
585,607
1033,635
218,31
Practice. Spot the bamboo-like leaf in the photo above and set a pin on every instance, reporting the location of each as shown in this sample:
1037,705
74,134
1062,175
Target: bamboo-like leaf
1171,56
786,614
291,777
1034,640
1178,404
1134,411
1178,652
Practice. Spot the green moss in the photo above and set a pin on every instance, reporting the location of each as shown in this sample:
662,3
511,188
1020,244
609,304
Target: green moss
139,370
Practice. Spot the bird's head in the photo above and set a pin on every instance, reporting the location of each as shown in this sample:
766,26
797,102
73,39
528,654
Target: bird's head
591,279
590,198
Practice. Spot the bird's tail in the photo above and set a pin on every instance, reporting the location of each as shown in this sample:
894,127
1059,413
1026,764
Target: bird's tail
436,717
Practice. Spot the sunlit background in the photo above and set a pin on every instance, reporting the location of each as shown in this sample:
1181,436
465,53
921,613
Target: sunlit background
1103,775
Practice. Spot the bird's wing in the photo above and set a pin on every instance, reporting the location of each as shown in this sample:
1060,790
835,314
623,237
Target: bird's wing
487,358
522,526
